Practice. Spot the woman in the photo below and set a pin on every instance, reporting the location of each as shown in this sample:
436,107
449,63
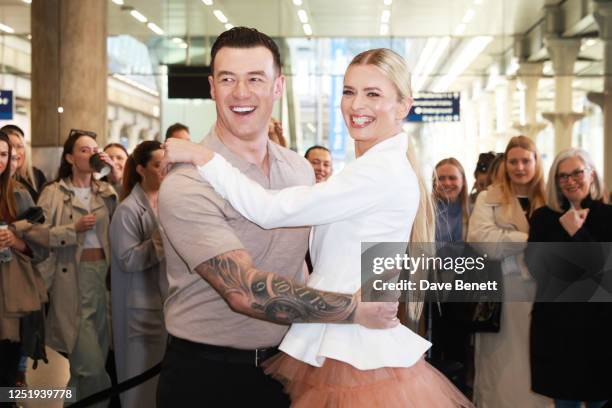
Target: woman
496,170
275,132
501,215
570,342
480,175
138,279
78,210
21,289
451,338
32,178
119,156
373,199
450,194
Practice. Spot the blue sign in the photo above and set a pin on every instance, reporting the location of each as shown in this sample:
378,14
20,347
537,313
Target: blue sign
6,105
435,107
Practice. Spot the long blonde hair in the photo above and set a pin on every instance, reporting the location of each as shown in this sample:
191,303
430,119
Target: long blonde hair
463,194
394,67
536,185
26,170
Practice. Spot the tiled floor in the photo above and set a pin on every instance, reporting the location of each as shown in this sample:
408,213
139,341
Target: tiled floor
48,376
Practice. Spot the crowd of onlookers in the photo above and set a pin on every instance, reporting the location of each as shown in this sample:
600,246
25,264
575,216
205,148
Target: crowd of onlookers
59,239
542,350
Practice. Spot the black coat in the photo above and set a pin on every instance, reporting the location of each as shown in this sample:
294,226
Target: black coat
571,343
39,179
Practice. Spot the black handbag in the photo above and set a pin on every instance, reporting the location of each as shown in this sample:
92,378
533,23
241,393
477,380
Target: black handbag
480,312
486,317
32,325
32,330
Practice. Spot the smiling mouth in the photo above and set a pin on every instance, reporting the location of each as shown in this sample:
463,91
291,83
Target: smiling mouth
242,110
361,121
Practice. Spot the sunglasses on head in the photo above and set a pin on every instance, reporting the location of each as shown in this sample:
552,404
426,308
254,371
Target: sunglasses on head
82,133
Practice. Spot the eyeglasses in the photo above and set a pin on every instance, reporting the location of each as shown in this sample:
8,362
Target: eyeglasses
82,133
576,175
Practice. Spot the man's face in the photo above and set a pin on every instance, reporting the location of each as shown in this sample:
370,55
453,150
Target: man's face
321,163
245,85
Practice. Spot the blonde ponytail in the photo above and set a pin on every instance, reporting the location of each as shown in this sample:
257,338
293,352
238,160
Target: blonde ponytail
422,237
423,234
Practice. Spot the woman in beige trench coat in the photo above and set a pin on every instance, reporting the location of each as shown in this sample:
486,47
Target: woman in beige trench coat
78,210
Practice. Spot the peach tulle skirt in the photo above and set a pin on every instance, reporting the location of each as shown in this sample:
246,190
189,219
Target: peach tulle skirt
338,384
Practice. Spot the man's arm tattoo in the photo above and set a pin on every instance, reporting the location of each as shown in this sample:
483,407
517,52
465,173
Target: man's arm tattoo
271,297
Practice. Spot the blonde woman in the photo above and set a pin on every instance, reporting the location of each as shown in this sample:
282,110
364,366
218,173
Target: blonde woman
501,215
32,178
379,197
451,195
451,338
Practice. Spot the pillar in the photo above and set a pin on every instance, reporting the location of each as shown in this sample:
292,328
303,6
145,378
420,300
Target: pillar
603,17
69,70
504,95
114,134
563,54
486,104
528,76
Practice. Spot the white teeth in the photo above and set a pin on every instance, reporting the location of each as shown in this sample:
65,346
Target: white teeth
361,120
242,109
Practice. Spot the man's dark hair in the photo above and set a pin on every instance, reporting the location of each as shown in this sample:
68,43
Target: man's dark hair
175,128
315,147
244,37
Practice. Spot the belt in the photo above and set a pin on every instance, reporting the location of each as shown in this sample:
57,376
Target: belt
224,354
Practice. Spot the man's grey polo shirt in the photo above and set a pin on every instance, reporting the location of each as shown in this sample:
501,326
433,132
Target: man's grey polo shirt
199,225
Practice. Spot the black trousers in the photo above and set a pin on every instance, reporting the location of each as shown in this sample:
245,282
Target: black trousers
10,354
189,379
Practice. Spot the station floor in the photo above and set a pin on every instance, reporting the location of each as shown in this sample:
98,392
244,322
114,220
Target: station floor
48,376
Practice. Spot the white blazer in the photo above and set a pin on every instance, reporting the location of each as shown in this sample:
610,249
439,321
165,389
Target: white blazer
374,199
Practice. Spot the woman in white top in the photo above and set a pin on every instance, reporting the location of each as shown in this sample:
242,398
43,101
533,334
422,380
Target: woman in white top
379,197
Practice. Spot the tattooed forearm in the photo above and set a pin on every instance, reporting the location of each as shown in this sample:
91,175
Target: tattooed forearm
271,297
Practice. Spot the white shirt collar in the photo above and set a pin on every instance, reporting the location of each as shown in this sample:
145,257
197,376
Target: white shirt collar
396,142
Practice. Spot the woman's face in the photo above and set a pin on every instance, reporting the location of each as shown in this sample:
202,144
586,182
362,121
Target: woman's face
520,165
574,179
152,174
370,105
19,147
450,182
14,162
4,156
118,156
481,181
83,149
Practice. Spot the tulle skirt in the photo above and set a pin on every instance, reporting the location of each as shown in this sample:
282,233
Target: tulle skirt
338,384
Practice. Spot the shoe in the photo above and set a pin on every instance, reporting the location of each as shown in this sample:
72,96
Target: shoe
21,379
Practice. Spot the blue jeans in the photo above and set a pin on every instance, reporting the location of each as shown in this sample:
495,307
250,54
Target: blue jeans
578,404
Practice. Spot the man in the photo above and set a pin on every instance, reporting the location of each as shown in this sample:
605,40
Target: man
179,131
321,161
225,312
